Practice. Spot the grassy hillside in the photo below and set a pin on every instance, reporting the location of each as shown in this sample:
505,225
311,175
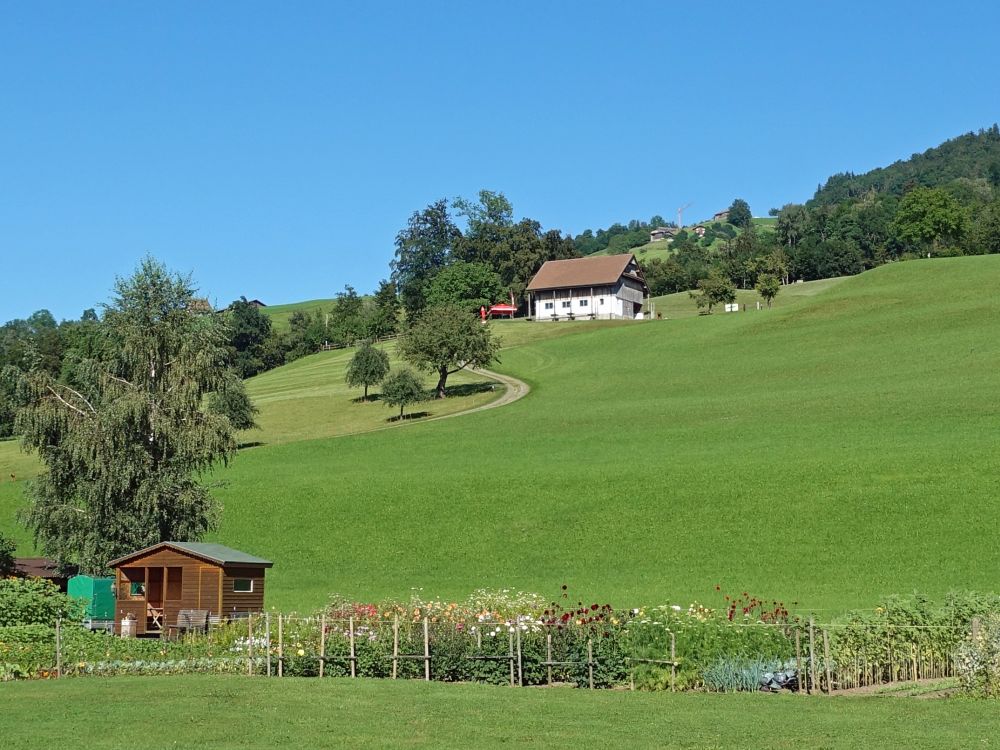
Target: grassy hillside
382,713
681,305
663,250
830,452
279,314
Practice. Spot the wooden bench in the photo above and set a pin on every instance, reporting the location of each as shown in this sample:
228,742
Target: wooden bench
190,620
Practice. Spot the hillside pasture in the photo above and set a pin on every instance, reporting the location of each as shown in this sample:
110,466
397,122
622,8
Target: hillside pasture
829,453
281,314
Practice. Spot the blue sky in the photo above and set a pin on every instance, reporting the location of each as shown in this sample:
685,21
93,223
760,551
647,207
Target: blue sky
275,149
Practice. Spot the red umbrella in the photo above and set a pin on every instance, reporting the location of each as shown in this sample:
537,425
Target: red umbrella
503,309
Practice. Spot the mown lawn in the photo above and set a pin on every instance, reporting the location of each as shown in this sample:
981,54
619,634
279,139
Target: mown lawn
232,712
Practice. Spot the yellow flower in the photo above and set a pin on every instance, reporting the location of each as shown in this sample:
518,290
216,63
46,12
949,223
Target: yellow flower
301,652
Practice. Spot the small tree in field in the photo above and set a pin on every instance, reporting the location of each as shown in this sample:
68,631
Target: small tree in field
446,339
768,287
368,367
712,290
401,389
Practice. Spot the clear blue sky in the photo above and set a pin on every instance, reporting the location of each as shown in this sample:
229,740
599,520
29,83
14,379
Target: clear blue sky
274,149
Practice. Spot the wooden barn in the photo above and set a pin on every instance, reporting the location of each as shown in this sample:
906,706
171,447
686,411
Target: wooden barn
161,586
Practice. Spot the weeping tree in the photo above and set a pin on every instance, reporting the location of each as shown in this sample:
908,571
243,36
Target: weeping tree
125,449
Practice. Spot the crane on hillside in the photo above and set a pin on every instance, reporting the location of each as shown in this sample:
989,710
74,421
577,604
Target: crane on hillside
680,215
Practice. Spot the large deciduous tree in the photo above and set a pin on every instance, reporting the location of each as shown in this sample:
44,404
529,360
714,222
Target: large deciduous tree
124,451
929,217
466,285
422,249
446,339
739,213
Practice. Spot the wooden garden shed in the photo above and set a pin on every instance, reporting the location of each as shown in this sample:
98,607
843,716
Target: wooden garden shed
156,584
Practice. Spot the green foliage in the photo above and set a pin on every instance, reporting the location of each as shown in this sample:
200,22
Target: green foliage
768,287
929,216
368,367
422,249
465,285
233,402
979,659
402,388
123,452
383,317
249,332
713,290
446,339
7,550
34,601
347,318
739,213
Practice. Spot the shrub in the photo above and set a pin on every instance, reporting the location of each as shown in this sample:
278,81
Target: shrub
33,601
979,659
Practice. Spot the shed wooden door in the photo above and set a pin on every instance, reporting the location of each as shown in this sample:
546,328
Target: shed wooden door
210,590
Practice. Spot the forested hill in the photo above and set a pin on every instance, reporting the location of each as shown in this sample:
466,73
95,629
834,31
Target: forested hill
973,156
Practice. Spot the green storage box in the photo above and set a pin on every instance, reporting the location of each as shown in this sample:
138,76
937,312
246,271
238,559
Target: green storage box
99,594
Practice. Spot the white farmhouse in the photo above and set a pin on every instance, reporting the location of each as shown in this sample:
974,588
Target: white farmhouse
598,287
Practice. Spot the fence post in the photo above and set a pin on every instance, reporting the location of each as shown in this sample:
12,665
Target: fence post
250,644
826,660
510,657
322,644
812,654
58,647
548,651
976,624
427,653
395,645
354,661
799,675
267,640
520,669
281,647
673,663
590,662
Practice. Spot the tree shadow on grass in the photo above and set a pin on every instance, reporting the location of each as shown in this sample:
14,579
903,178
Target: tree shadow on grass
408,417
471,389
252,444
372,398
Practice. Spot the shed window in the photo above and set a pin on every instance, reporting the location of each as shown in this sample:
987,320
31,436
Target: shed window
243,585
137,589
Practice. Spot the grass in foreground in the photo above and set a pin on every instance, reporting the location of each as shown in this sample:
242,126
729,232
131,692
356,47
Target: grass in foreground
232,712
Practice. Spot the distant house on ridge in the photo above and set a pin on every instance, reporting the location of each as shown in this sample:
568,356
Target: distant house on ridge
597,287
721,216
663,233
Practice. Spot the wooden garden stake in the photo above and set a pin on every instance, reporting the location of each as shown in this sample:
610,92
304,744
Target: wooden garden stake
590,663
915,675
322,644
799,676
520,670
826,660
510,657
58,647
673,663
281,648
250,644
427,653
354,660
548,651
395,645
812,654
267,640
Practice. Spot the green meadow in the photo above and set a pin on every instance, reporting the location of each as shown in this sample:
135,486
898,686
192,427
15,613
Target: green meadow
234,712
833,450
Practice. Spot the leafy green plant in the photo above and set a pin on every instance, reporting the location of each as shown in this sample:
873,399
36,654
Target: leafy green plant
33,601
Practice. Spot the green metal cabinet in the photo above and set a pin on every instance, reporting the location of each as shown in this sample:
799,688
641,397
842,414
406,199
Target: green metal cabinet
97,592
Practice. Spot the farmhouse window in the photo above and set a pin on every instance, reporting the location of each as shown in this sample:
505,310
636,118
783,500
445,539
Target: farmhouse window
567,303
548,305
583,303
243,585
601,301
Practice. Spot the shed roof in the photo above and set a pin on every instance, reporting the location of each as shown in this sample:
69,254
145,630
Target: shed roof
217,553
574,272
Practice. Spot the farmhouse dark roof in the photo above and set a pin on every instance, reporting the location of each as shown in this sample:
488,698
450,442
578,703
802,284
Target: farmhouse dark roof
575,272
37,567
216,553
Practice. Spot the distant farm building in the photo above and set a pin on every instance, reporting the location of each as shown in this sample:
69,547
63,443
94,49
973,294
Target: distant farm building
663,233
173,584
42,567
699,229
598,287
721,216
200,306
256,303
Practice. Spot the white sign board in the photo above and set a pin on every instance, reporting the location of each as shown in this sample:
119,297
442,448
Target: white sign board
732,307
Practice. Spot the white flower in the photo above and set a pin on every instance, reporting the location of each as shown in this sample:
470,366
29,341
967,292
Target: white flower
675,607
